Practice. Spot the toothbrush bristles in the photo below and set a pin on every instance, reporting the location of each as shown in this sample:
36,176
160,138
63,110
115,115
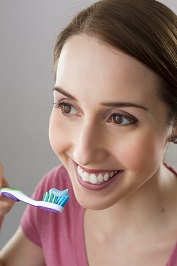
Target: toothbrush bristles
50,197
63,200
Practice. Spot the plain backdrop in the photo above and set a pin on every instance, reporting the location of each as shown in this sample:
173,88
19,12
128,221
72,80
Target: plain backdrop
27,33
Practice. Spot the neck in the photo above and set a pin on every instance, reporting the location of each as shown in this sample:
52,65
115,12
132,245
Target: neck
144,208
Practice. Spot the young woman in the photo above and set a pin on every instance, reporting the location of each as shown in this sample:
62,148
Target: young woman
114,113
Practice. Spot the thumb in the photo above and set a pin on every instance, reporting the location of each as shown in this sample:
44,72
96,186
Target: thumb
5,203
3,181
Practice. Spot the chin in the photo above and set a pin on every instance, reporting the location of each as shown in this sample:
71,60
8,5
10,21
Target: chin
94,204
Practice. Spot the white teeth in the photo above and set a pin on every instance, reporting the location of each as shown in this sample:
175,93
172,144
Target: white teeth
100,178
106,177
79,170
111,174
85,177
93,178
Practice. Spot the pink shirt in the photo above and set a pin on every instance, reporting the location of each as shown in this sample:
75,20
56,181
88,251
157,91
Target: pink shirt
61,235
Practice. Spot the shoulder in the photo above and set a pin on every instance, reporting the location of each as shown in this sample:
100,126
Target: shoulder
56,175
55,231
173,258
171,168
43,220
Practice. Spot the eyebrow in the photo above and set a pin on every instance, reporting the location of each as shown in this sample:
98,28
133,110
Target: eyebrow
106,104
123,104
64,93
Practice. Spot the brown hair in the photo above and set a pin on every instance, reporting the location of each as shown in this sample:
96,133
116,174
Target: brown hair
146,30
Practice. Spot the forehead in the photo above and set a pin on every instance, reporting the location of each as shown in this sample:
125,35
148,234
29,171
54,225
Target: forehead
95,67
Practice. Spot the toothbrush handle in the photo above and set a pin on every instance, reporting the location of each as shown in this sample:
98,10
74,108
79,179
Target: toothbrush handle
10,196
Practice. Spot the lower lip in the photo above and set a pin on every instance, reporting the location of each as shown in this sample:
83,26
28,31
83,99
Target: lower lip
98,186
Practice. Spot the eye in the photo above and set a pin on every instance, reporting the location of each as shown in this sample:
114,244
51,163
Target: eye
65,108
122,120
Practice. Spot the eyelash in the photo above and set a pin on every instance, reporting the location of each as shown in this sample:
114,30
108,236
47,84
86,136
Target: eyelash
121,117
61,106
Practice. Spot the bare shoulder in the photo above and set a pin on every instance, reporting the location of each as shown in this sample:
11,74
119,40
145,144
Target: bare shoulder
21,251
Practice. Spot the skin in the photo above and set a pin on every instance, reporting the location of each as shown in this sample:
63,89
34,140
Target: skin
138,207
83,131
19,250
89,135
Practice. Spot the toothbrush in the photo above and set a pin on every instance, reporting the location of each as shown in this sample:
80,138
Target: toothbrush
54,200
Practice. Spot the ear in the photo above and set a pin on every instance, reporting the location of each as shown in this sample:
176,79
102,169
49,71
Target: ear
172,134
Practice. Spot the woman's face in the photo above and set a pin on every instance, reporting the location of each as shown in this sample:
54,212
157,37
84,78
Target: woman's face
108,126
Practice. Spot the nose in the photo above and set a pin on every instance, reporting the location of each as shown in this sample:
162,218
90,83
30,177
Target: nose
89,146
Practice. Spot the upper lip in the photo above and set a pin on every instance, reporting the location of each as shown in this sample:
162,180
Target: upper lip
94,171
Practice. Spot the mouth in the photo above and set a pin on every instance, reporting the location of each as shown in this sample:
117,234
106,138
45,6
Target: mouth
96,180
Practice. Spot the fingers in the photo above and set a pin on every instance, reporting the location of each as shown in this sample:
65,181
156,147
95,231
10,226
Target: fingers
5,203
3,181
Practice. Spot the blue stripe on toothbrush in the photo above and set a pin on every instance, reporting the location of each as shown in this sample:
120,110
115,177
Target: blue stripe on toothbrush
56,196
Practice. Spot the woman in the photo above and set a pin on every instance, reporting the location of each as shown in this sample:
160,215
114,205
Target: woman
114,113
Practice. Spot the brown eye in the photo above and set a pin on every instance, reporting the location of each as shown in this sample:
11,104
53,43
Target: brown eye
66,108
122,120
117,119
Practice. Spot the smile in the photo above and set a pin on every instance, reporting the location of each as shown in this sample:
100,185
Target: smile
95,178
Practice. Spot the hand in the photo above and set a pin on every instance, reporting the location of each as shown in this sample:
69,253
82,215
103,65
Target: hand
5,203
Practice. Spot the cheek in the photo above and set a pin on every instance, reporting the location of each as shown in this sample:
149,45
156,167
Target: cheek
141,153
57,135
